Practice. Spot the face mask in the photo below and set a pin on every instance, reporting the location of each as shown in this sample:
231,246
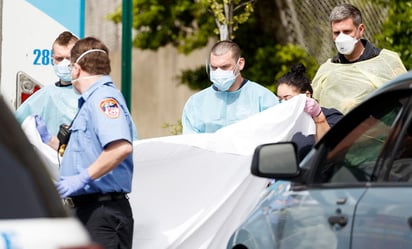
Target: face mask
222,79
62,70
345,44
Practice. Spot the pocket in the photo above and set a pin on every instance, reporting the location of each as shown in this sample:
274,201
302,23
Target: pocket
79,136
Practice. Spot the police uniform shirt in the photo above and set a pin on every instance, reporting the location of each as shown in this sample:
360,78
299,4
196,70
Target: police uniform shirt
103,118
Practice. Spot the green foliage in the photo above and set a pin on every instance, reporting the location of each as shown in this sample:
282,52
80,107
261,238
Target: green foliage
195,79
174,129
229,14
273,61
397,29
185,24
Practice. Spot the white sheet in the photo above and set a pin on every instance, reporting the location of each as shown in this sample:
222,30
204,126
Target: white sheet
192,191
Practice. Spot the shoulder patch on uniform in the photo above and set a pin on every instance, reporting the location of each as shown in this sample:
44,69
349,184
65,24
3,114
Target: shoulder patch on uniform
110,107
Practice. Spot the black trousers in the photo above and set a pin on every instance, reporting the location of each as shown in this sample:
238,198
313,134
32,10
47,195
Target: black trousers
110,223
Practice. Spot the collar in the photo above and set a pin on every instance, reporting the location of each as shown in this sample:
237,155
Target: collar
59,84
369,52
104,80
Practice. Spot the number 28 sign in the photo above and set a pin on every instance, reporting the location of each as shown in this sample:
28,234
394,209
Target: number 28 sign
42,57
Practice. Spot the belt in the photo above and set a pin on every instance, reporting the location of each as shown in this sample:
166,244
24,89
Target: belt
83,200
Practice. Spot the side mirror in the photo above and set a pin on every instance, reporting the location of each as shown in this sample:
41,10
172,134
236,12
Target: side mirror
276,160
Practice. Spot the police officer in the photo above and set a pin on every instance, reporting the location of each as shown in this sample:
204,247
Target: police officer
97,165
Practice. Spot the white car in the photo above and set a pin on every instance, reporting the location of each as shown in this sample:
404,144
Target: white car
31,212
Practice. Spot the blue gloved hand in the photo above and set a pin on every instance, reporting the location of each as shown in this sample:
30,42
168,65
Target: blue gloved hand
66,186
42,129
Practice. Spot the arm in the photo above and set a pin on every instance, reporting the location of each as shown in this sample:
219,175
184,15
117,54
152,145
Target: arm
313,109
112,155
54,143
187,119
322,126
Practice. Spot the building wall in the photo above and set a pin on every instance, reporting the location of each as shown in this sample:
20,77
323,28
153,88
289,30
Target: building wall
156,96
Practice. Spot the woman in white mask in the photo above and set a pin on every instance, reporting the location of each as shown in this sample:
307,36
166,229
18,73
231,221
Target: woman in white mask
359,67
230,98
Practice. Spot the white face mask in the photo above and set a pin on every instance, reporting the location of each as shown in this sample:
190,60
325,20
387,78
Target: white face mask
62,70
345,44
223,79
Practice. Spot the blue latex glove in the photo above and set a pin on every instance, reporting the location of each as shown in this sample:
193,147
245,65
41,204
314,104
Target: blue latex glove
66,186
42,129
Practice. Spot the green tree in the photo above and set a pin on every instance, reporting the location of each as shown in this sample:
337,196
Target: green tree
186,24
190,24
229,14
397,29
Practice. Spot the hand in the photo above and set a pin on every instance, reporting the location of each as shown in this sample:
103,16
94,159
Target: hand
70,184
42,129
312,107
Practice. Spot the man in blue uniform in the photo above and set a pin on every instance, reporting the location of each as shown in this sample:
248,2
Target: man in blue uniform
97,165
231,98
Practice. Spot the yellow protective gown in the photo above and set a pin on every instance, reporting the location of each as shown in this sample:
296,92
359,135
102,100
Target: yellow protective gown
343,86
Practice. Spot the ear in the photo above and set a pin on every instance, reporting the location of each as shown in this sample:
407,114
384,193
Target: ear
76,66
241,63
361,28
308,94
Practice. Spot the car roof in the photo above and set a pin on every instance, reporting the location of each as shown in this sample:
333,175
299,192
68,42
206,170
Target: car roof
402,82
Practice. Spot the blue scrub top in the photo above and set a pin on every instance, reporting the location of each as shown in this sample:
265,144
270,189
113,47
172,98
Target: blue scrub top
210,109
103,118
55,104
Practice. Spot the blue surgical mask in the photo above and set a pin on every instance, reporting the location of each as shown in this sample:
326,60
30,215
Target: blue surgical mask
62,70
223,79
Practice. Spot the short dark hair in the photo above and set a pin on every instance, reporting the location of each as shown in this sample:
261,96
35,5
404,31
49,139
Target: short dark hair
224,46
65,38
94,63
297,78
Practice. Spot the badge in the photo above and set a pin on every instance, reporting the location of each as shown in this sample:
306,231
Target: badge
110,107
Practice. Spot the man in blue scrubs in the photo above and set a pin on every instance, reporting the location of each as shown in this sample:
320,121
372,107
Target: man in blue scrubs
56,103
231,98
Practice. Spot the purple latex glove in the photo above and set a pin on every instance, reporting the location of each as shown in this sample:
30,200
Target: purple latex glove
312,107
67,185
42,129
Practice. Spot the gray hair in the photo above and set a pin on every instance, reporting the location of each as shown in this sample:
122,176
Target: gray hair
344,11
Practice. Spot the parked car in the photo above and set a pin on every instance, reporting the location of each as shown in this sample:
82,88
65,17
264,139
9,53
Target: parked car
353,189
32,215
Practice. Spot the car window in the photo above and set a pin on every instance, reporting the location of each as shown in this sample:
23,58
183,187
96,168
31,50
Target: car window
353,158
401,170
